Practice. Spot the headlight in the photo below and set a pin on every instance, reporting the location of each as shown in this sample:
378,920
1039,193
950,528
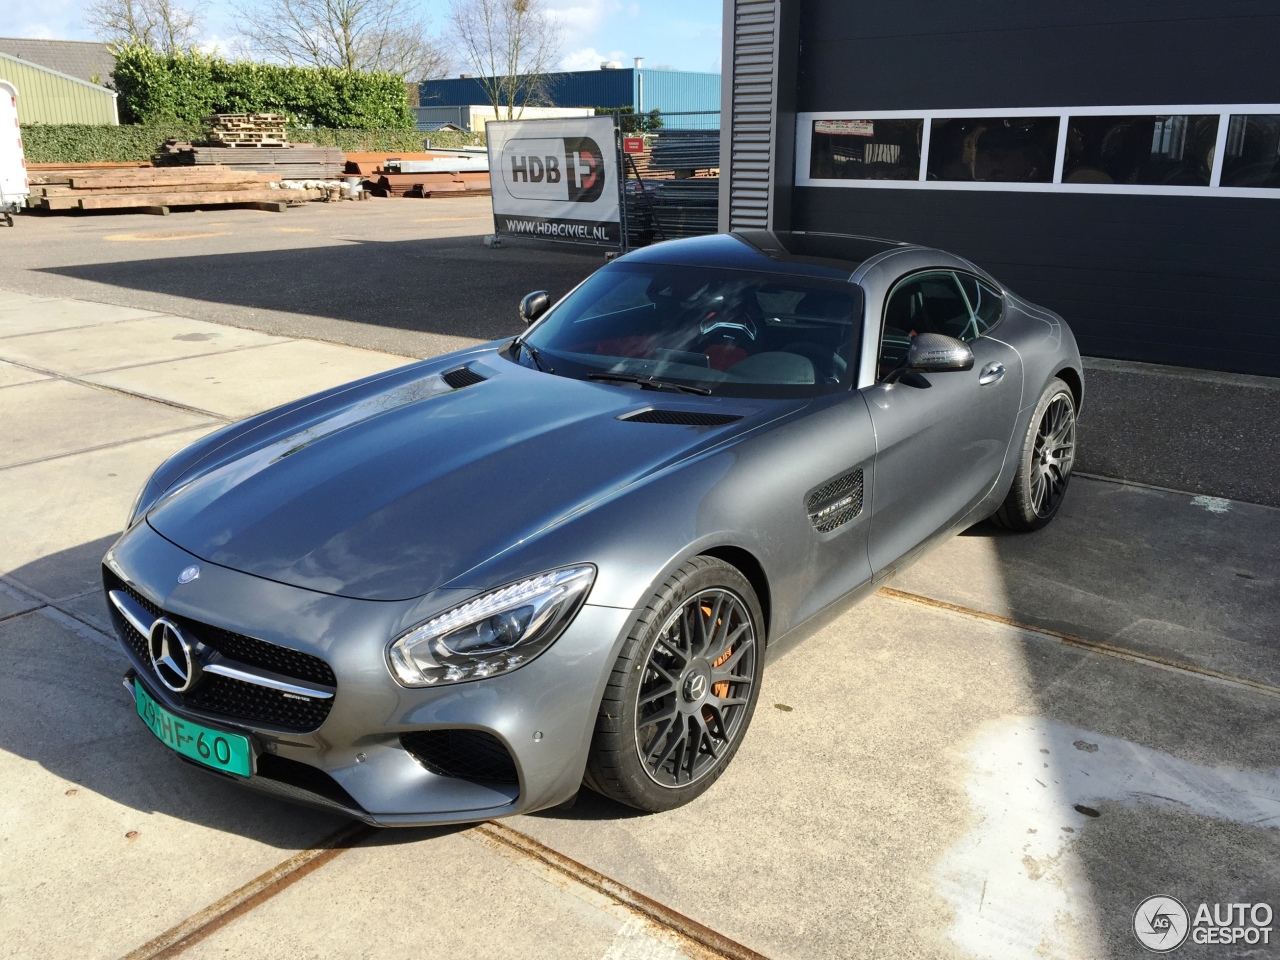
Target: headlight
493,633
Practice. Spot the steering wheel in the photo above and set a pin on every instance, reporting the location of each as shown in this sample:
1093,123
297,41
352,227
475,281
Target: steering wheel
745,325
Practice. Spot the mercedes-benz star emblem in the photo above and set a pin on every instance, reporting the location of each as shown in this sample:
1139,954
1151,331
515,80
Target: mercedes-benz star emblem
189,573
697,686
173,656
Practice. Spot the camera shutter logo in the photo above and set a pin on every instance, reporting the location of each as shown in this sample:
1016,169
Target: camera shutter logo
1161,924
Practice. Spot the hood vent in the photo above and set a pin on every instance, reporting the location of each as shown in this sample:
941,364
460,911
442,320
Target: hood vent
682,418
836,502
462,377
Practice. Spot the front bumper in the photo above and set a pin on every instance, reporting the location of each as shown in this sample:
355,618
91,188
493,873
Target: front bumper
355,761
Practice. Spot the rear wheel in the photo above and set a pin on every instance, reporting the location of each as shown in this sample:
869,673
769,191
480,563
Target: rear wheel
683,690
1044,466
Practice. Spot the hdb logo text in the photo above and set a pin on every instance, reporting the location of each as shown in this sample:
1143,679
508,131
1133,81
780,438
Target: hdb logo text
564,168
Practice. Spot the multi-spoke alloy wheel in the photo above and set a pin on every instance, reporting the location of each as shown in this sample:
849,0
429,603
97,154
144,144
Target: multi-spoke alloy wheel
1054,451
682,691
1044,467
695,688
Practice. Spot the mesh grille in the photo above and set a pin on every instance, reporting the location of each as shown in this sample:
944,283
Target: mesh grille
681,417
228,697
836,503
465,754
462,377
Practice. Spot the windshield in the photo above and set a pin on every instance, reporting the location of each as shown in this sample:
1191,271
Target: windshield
726,332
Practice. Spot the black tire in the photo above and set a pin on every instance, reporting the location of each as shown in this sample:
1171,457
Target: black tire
669,664
1045,462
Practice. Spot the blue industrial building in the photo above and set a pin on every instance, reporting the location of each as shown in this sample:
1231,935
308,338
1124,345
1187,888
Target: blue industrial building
641,89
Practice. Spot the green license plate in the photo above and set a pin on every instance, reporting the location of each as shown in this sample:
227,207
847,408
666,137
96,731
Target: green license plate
224,751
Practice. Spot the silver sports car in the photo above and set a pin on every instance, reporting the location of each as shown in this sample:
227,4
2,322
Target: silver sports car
463,588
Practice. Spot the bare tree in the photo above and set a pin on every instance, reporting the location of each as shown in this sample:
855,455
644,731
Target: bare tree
162,25
390,35
511,45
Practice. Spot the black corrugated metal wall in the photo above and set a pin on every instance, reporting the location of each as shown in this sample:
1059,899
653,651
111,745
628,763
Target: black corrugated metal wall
1191,280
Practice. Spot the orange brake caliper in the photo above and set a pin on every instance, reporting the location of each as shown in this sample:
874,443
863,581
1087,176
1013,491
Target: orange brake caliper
720,689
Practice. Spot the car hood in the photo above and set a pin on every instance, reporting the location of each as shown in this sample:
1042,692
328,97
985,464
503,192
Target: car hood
406,485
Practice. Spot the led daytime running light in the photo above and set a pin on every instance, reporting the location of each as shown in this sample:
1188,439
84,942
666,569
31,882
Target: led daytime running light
533,612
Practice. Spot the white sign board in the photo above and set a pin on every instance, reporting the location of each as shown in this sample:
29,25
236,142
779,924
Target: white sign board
555,179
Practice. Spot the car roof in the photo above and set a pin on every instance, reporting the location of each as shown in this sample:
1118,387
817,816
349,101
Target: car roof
827,255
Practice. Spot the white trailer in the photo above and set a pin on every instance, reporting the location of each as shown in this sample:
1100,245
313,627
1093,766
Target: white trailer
13,165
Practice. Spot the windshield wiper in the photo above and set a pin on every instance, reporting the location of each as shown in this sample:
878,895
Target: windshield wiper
532,351
649,382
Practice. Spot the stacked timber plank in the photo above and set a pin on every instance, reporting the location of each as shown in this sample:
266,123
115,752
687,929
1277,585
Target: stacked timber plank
155,189
245,129
439,174
294,161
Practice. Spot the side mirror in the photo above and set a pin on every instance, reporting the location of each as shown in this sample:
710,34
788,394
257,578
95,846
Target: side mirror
535,305
936,353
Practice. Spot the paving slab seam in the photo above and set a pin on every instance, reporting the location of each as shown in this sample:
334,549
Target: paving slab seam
1092,646
256,892
78,326
120,390
101,446
1101,478
277,341
22,613
647,907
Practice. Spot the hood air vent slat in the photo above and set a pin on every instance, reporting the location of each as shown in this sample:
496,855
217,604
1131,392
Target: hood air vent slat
682,418
462,377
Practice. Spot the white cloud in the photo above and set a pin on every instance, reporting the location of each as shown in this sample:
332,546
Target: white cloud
589,58
37,31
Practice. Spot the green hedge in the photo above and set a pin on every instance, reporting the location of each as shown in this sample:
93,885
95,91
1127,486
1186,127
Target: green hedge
131,143
371,141
78,143
155,88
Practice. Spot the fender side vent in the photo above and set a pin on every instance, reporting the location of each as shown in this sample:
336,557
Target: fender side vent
836,503
463,377
682,418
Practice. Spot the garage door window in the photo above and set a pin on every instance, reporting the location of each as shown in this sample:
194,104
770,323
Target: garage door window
1252,157
993,149
1168,150
866,149
1175,150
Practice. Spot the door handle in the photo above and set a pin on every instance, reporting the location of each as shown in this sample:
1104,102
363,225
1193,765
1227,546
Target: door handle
991,373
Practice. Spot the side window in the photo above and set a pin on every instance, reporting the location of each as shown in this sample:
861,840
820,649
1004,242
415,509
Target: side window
925,303
987,304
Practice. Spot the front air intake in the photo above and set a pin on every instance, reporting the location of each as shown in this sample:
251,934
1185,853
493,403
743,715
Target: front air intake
685,418
464,754
836,502
462,377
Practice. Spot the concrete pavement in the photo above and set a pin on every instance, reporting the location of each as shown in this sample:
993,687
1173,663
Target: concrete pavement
918,780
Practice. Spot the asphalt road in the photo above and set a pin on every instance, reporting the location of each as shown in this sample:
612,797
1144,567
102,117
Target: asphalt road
412,277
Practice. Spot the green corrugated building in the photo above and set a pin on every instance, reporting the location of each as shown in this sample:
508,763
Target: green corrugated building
47,96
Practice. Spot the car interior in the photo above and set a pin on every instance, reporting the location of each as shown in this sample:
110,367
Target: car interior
724,329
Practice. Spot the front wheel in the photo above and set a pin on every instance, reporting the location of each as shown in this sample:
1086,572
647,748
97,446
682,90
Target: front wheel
1044,465
682,691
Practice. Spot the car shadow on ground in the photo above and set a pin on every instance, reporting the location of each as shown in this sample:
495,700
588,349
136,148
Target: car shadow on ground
452,286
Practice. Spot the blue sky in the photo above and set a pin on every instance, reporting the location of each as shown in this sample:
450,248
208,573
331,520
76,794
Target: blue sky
684,34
